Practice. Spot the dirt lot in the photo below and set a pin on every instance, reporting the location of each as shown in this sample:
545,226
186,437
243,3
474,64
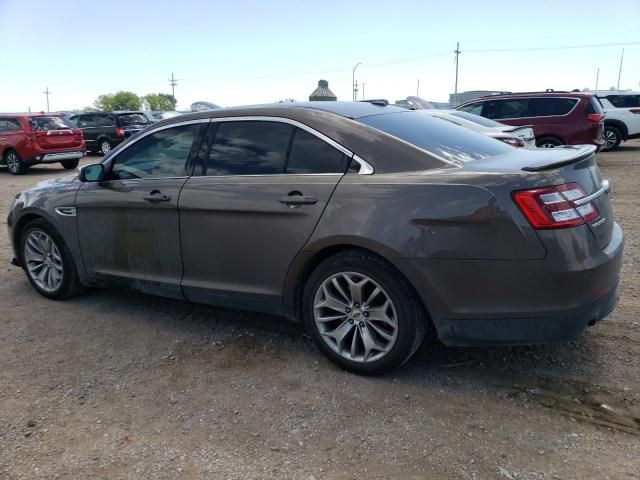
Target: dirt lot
117,385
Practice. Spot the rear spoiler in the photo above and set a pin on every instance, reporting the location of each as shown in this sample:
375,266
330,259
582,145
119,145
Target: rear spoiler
573,154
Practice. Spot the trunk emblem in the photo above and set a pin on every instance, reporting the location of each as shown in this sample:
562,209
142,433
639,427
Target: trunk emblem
599,222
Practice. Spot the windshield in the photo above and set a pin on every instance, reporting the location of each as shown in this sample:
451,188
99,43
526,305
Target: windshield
485,122
128,119
45,124
443,139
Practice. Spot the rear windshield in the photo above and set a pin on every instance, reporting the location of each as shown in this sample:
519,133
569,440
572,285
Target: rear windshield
443,139
129,119
485,122
45,124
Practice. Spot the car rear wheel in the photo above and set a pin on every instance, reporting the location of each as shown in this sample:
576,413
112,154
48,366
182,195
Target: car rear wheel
70,164
105,146
47,261
15,165
362,314
548,142
612,138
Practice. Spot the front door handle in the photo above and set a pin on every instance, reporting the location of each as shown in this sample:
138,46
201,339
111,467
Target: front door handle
294,200
156,197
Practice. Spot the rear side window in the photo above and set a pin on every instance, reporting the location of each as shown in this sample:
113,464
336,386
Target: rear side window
104,121
624,101
548,107
248,148
443,139
506,108
309,154
46,124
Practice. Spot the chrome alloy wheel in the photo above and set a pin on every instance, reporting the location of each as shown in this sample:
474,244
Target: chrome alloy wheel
13,162
355,317
610,139
105,146
43,260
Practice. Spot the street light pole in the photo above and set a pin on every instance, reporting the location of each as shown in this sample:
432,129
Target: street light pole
353,81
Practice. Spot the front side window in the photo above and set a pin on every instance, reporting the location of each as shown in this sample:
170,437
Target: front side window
549,107
161,154
309,154
248,148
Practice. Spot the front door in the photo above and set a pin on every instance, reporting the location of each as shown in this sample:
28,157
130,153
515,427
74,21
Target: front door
128,224
263,188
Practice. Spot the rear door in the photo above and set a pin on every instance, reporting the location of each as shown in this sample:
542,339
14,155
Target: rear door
262,188
88,123
53,133
128,224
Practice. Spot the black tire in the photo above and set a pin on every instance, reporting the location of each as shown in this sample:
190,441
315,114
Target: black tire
105,144
14,163
411,316
70,284
70,164
548,142
612,138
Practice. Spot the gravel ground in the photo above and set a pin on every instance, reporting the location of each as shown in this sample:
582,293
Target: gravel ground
116,385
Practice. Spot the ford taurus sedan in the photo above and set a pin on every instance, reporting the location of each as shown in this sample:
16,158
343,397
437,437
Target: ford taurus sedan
373,225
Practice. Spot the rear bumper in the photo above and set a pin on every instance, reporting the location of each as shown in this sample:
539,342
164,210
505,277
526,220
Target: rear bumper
497,302
58,157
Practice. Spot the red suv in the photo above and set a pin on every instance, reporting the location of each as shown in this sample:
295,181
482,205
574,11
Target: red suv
30,138
557,118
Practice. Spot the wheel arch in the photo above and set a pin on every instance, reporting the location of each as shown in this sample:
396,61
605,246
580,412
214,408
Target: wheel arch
619,125
308,259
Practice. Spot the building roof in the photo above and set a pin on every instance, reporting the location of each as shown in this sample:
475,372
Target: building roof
322,92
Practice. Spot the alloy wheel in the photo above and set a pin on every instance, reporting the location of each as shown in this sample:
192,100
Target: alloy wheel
610,138
13,162
355,316
105,146
43,261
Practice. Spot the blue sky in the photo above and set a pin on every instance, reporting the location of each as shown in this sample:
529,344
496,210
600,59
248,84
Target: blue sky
250,51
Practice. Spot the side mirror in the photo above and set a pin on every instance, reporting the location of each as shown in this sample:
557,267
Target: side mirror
91,173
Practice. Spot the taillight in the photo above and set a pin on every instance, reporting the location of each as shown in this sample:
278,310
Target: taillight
119,132
595,117
555,207
513,141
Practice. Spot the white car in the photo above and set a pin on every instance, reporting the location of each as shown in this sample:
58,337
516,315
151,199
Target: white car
515,136
622,116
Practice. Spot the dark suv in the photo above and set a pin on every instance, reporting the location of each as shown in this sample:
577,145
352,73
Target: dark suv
104,130
557,118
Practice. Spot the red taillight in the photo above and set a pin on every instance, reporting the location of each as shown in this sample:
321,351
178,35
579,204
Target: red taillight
635,110
119,132
595,117
555,207
513,141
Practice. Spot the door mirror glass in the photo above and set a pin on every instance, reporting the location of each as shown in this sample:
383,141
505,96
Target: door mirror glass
92,173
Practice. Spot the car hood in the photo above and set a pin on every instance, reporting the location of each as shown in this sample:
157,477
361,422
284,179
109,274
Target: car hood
57,183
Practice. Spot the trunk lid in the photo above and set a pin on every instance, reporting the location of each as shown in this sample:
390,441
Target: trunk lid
55,133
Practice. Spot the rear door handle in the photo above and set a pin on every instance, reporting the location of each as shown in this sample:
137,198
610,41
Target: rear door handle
299,200
156,197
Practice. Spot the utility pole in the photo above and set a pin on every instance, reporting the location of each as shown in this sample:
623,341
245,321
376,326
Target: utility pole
355,92
620,71
418,89
597,77
455,91
47,93
173,82
353,81
363,84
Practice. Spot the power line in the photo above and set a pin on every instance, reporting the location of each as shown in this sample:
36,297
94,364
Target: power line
549,37
567,47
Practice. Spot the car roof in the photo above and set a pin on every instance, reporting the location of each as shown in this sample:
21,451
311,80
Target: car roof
554,94
32,114
351,110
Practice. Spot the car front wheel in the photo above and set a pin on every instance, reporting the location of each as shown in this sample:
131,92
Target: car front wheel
47,261
362,313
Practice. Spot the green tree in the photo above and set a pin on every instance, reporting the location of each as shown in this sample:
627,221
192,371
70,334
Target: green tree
159,101
118,101
287,100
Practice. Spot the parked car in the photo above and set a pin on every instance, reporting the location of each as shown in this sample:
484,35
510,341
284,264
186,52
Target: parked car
557,118
373,225
203,106
30,138
104,130
622,117
514,136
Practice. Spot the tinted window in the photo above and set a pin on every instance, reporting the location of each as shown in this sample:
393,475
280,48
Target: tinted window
475,108
9,124
476,118
624,101
309,154
161,154
104,121
249,148
45,124
546,107
84,121
128,119
443,139
508,108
